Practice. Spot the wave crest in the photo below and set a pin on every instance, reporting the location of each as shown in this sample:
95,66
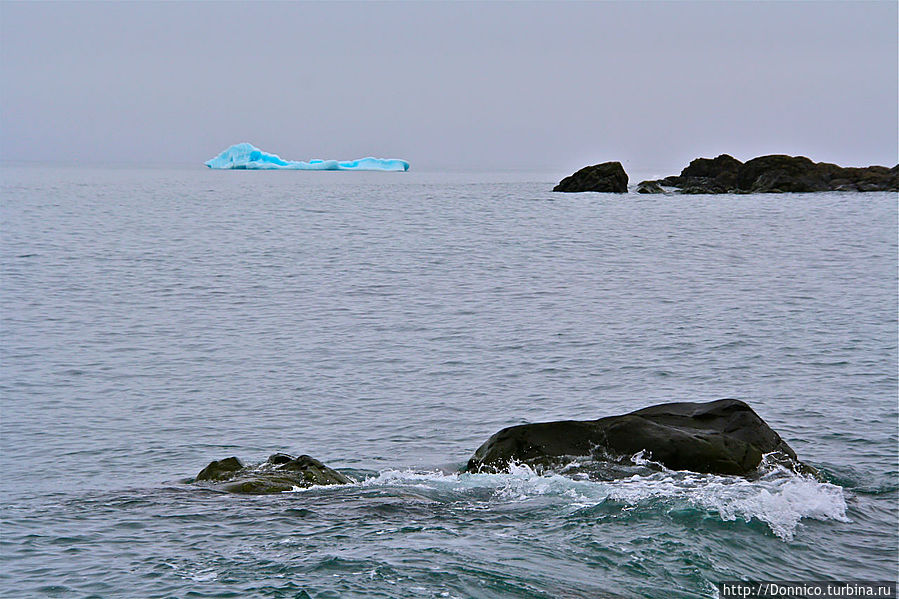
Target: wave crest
779,498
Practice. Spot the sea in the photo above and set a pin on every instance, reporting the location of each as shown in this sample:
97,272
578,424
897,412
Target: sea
387,324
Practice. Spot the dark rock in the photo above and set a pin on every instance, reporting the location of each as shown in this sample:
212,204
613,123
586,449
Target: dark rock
280,473
719,173
778,174
221,469
279,458
605,177
701,185
672,181
874,178
720,437
706,175
843,185
649,187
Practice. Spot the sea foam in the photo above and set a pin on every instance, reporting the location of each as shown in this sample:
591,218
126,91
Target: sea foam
780,498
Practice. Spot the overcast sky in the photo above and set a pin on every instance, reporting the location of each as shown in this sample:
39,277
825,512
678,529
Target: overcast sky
550,86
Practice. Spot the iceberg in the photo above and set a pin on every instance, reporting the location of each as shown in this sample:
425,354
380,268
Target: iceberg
247,156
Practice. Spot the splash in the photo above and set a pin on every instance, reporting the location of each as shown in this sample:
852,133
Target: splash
780,498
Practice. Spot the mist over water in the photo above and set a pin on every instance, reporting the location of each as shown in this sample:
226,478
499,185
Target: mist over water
388,324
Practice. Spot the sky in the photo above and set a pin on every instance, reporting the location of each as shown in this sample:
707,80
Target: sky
459,85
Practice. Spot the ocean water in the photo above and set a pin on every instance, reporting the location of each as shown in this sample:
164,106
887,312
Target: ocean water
154,320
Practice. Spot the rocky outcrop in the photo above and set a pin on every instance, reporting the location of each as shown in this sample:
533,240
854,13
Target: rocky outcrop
280,473
605,177
722,169
777,174
719,437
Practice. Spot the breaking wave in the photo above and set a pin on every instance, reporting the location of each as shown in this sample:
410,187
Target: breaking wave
779,498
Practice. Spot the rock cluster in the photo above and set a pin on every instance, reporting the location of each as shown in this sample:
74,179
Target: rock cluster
774,174
280,473
719,437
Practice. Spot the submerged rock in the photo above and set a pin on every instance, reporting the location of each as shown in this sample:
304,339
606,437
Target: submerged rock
280,473
778,174
649,187
605,177
719,437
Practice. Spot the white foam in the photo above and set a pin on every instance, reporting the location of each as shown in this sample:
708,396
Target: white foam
204,576
197,575
780,498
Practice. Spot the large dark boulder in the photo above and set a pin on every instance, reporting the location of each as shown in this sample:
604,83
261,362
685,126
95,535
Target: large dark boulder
280,473
605,177
720,437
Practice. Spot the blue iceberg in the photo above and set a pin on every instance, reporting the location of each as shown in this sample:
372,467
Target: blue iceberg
247,156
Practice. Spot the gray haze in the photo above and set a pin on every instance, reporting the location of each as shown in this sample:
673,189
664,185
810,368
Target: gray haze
456,85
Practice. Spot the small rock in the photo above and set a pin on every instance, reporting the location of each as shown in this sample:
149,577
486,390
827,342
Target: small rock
649,187
221,469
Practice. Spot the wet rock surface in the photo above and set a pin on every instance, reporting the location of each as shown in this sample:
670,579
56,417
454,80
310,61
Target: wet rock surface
281,472
719,437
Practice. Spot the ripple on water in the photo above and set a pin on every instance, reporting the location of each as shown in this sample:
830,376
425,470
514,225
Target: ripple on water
154,320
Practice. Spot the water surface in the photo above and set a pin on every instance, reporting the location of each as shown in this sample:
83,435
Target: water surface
387,324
